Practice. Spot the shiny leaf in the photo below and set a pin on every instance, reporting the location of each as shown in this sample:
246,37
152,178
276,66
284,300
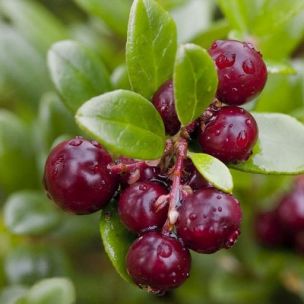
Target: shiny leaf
213,170
77,72
195,82
151,46
125,123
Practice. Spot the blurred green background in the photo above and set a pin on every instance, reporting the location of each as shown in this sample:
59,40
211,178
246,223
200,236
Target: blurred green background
38,241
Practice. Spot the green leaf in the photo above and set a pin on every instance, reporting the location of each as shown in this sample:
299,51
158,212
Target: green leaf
125,123
280,67
26,15
195,82
17,58
239,12
274,14
52,291
25,264
16,154
116,239
213,170
151,46
114,13
77,72
30,213
280,146
192,18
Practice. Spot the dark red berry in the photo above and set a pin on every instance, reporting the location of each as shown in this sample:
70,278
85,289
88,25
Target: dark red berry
209,220
137,208
158,262
76,177
268,229
241,71
192,177
163,100
230,135
291,210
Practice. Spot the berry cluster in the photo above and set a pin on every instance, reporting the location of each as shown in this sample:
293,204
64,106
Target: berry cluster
283,226
167,203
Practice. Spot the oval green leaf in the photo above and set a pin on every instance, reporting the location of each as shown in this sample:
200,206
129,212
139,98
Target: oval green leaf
151,46
213,170
30,213
195,82
51,291
280,146
116,239
77,72
125,123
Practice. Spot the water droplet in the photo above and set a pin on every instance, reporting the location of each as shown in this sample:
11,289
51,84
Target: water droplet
225,61
227,77
214,209
227,140
248,66
208,138
220,209
218,197
76,142
230,126
96,144
218,132
164,250
214,45
248,122
143,187
234,90
192,216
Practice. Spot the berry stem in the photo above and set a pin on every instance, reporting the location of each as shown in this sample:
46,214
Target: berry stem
181,147
121,167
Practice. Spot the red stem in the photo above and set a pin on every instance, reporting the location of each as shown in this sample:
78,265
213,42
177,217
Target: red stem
181,147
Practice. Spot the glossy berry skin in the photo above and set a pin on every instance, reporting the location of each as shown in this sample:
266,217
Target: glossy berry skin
192,177
291,210
76,177
209,220
241,71
158,262
163,101
230,135
137,209
268,229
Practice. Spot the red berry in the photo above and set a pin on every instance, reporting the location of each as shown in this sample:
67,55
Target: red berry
192,177
137,208
241,71
268,229
209,220
76,177
230,135
163,100
291,210
158,262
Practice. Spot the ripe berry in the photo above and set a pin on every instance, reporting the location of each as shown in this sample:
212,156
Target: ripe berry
137,208
241,71
163,100
158,262
76,177
209,220
192,177
230,135
268,229
291,210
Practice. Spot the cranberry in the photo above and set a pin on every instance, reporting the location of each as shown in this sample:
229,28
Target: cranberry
192,177
230,135
268,229
163,101
137,207
291,210
158,262
76,177
241,71
209,220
